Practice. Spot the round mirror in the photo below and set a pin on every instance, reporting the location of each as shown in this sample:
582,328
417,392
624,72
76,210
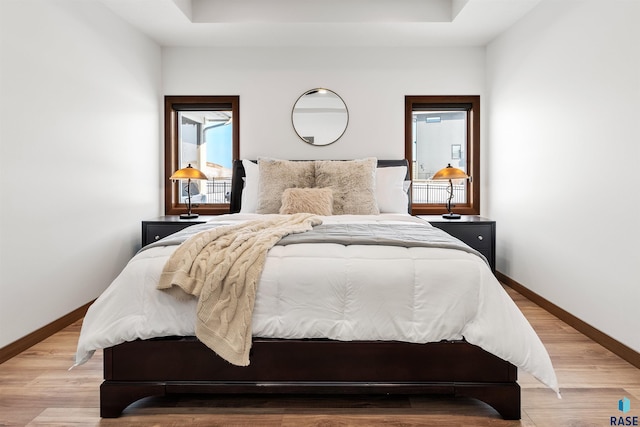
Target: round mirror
320,117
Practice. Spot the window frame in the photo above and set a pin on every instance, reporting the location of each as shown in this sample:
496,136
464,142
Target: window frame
172,106
471,103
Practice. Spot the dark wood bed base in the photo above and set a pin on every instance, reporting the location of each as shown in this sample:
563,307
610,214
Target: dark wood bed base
182,365
163,367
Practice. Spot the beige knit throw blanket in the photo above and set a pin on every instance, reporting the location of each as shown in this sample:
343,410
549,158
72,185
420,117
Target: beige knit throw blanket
221,267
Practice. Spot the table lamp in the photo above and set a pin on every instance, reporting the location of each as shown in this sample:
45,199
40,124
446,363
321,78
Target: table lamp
450,173
188,173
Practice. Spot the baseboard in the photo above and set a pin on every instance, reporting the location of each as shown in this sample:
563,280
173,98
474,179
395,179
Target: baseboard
46,331
599,337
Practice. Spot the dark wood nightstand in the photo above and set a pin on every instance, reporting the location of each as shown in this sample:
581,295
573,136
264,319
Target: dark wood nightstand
158,228
474,230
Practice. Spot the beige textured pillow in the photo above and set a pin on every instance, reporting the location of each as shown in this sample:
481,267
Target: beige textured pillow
353,183
317,201
275,176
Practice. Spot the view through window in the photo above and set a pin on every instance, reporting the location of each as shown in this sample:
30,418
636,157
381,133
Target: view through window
206,144
440,139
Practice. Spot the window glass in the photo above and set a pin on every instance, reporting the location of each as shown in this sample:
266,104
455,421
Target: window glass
206,143
439,139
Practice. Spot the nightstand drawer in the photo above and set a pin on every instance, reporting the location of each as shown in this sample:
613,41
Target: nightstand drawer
159,228
156,232
478,236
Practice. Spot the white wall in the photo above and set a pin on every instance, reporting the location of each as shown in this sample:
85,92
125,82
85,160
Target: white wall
79,155
372,82
563,90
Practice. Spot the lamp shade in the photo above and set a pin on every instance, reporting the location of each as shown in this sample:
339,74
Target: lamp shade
449,173
188,173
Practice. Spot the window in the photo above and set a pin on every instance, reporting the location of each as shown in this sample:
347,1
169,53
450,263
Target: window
201,131
442,130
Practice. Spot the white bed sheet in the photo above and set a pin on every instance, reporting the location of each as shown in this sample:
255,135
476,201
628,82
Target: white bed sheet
357,292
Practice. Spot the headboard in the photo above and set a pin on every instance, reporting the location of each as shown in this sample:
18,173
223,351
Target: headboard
237,183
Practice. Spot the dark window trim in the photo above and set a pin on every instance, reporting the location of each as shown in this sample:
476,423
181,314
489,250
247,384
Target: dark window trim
472,105
172,105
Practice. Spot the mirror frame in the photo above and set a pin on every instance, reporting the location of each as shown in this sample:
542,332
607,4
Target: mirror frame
297,129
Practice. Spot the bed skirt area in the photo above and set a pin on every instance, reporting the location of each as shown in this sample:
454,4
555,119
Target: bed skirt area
181,365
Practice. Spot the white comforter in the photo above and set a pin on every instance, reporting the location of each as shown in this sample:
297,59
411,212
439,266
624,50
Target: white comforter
340,292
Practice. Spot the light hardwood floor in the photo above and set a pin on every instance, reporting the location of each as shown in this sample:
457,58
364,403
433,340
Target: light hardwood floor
37,389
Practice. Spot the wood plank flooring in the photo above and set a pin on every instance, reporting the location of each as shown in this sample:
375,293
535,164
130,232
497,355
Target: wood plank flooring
37,389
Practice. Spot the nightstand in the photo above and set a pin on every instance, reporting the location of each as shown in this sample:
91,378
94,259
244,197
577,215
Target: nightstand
158,228
474,230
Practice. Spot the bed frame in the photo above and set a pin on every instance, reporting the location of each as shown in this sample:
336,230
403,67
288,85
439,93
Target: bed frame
182,365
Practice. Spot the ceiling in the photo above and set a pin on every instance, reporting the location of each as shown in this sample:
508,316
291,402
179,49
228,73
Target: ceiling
307,23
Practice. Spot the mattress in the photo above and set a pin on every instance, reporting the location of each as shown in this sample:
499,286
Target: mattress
342,292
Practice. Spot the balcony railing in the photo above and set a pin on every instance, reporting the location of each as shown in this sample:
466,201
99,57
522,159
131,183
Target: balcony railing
218,190
437,192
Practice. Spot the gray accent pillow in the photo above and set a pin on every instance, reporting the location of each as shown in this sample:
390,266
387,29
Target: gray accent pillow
275,176
353,183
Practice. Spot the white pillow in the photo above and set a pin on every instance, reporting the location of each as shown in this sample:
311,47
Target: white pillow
390,189
249,202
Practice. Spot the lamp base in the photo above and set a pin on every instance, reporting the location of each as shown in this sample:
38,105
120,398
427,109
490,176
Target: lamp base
451,215
189,215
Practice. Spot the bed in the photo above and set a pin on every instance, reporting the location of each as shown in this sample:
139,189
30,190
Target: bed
385,318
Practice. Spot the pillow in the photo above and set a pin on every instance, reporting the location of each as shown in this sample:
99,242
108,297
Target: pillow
249,202
390,189
275,176
353,183
317,201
